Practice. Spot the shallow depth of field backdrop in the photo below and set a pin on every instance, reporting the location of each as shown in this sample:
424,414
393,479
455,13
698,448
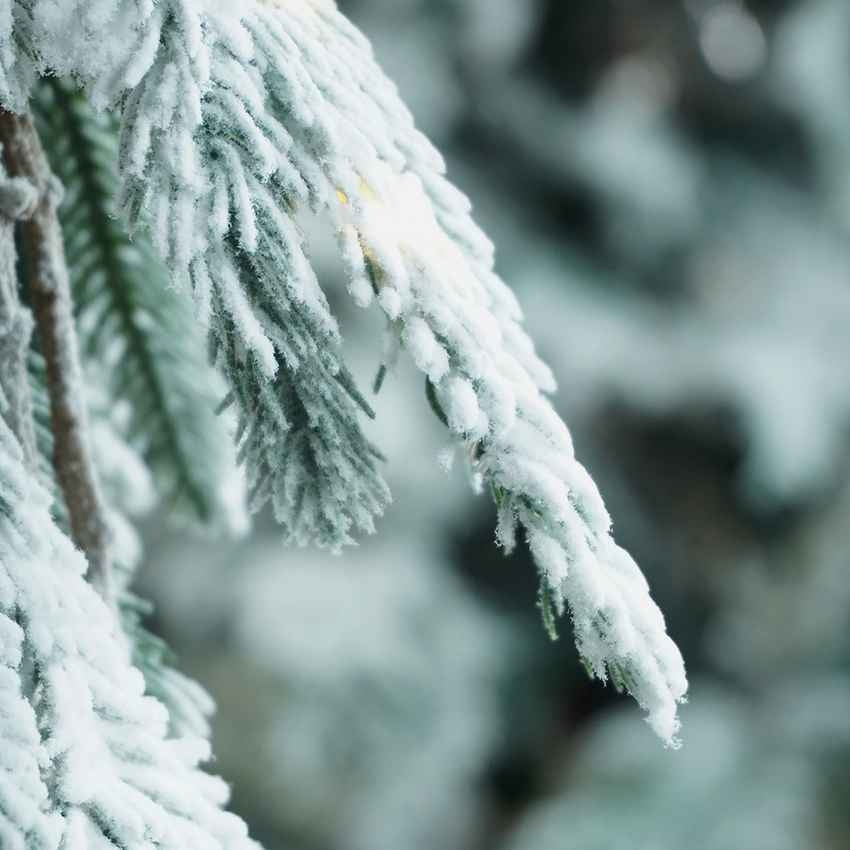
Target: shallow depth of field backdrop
668,185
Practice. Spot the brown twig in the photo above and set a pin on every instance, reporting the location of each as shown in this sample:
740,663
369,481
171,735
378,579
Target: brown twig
50,292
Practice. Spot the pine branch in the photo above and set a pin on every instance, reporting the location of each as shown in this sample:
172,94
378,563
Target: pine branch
17,69
26,822
49,290
235,117
278,345
407,233
128,494
271,330
133,326
104,772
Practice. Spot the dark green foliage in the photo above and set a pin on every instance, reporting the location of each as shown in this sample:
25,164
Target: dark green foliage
329,484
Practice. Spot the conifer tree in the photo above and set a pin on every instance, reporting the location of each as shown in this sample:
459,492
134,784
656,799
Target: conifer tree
159,156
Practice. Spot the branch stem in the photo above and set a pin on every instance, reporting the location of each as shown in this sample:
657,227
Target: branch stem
50,293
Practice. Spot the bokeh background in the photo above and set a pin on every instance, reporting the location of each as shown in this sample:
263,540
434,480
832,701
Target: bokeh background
668,184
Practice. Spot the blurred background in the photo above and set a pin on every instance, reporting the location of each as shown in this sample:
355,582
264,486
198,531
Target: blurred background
667,185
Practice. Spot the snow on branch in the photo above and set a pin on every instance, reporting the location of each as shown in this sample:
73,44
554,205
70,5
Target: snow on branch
134,328
103,772
400,220
25,820
204,167
50,290
17,71
237,116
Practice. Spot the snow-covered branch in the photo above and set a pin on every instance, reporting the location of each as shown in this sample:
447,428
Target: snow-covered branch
236,117
49,288
86,758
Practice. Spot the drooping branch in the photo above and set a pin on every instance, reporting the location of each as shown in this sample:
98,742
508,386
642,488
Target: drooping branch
50,293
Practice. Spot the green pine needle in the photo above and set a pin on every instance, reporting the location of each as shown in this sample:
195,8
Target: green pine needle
133,327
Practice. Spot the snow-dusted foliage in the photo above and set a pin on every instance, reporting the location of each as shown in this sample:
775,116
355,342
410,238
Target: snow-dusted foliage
134,329
131,494
235,119
93,764
16,74
206,166
25,819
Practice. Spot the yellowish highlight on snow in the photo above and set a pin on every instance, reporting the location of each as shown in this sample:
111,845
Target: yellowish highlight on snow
365,191
401,212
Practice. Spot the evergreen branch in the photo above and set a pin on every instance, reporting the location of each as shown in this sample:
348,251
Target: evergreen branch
407,233
235,117
50,293
129,494
104,771
25,819
271,330
17,68
138,329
